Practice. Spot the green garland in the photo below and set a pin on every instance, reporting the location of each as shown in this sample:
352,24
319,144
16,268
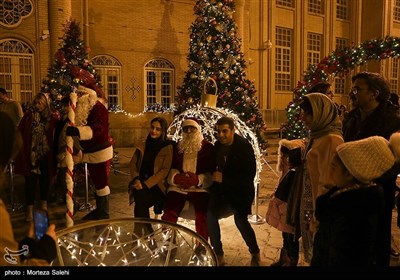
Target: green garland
338,63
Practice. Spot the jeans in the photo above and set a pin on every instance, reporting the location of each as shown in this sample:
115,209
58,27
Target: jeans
219,207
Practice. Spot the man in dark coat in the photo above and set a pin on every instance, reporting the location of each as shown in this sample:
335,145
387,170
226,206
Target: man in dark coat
233,187
373,115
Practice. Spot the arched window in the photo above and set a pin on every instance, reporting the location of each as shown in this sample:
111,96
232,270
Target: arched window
109,70
159,83
16,70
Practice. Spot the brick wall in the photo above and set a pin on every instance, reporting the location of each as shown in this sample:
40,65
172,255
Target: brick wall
127,131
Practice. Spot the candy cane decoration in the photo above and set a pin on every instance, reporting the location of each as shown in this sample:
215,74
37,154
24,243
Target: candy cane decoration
70,163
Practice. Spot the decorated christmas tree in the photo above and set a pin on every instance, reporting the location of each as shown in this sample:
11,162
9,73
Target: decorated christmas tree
214,53
71,66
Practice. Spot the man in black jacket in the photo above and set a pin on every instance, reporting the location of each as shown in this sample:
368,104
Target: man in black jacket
233,188
374,115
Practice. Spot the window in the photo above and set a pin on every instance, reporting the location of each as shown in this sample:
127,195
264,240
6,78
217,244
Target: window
340,83
315,7
396,10
283,59
12,12
313,48
16,70
394,75
342,9
159,83
341,43
285,3
109,70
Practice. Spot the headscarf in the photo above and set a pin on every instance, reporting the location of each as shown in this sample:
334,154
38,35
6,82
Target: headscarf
325,116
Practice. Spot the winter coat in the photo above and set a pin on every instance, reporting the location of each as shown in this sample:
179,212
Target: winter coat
238,175
162,165
348,225
23,159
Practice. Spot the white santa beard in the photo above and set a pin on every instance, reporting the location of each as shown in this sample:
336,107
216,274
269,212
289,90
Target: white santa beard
191,142
83,107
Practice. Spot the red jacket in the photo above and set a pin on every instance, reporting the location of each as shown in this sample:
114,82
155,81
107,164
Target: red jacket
23,160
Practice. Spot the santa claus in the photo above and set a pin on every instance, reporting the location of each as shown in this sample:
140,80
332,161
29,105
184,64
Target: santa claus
91,120
190,176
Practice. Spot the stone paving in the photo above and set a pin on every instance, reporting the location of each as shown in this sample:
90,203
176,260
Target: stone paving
236,252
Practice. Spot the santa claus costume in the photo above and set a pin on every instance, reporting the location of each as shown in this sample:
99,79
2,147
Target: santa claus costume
92,126
190,177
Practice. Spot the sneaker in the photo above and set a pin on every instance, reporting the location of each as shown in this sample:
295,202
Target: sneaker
220,260
255,259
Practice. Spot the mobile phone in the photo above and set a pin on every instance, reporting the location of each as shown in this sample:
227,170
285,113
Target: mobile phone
41,222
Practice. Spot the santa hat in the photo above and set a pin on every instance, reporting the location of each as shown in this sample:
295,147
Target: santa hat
369,158
192,122
87,80
290,144
86,90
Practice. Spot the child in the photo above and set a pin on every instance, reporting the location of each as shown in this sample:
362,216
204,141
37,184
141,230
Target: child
349,213
289,158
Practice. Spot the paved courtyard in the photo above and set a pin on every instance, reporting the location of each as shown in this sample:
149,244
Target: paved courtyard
236,253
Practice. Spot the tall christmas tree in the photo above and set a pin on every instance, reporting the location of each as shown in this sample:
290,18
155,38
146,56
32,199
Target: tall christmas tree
214,53
71,66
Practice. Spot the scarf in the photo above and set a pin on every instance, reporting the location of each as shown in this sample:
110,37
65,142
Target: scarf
325,116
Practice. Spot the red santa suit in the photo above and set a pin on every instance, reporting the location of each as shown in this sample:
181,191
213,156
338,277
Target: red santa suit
189,178
91,120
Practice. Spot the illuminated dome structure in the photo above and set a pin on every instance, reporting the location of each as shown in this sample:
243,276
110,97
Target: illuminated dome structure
209,116
113,243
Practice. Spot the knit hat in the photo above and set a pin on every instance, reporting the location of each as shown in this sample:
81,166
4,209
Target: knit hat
192,122
369,158
290,144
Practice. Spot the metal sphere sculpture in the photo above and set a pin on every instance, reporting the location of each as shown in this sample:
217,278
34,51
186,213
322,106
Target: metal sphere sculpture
114,243
209,116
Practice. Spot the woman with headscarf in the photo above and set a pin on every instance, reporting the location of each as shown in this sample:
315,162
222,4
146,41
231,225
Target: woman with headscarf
320,116
149,167
36,160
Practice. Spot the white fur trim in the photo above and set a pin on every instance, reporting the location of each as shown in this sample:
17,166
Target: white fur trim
290,144
85,132
99,156
104,191
395,145
86,90
189,122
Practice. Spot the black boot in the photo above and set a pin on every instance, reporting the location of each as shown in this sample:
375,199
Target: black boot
282,258
102,209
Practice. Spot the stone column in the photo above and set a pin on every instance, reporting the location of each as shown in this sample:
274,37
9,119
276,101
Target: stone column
59,14
238,17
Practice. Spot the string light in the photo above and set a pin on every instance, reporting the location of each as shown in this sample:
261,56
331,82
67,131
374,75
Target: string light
208,117
117,245
338,63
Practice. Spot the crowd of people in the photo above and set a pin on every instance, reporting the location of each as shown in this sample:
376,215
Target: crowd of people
335,195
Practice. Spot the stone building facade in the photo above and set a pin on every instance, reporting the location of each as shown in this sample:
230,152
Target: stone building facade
139,46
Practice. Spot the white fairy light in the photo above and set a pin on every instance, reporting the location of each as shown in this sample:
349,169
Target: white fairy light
209,117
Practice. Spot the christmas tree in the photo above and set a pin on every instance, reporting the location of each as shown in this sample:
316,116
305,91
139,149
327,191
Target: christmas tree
214,53
71,66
